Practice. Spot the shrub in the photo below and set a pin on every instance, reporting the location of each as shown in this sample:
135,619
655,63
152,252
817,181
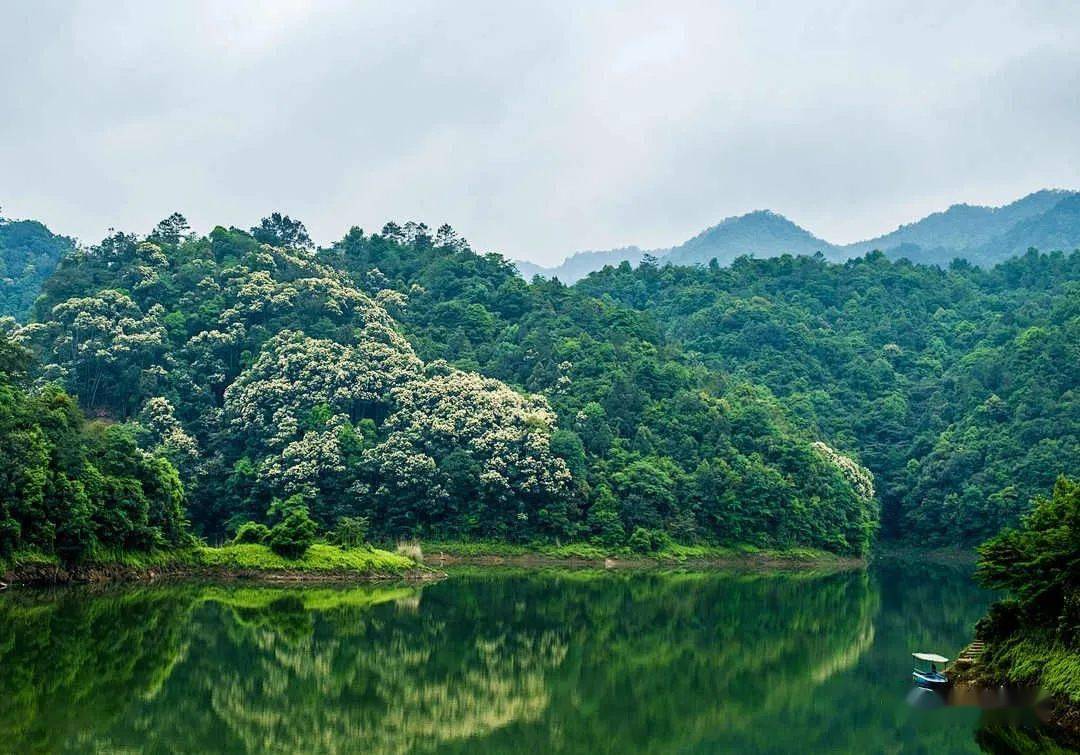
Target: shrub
604,522
294,534
252,532
648,541
641,541
350,531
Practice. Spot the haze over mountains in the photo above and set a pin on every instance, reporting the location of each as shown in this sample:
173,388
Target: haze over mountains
1047,220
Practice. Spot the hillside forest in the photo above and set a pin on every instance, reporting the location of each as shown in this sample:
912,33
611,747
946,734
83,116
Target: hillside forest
401,379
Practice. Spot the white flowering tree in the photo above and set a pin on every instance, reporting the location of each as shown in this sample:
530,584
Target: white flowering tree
162,433
295,374
292,408
859,477
476,443
102,346
264,373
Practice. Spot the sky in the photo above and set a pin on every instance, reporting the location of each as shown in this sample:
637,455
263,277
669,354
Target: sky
534,129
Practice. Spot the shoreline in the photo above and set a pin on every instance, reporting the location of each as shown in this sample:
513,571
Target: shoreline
1064,717
541,561
100,574
222,563
249,562
892,551
576,556
329,564
1054,710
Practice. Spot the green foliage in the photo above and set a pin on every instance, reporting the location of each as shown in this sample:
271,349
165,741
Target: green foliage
603,521
1034,636
252,532
1039,561
648,541
294,534
29,253
263,373
404,378
956,388
281,230
1036,658
317,557
350,531
70,487
642,425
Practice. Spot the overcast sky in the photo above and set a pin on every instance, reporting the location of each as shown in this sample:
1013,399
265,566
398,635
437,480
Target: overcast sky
535,129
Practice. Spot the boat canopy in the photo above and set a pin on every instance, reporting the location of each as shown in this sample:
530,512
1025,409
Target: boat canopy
929,657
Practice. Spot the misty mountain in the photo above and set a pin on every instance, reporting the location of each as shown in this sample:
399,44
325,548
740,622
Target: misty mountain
1047,220
580,264
759,234
962,229
1056,229
29,253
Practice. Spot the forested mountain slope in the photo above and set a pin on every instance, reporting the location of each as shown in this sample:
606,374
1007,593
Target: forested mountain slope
403,377
761,233
579,264
28,254
957,387
757,234
965,227
265,371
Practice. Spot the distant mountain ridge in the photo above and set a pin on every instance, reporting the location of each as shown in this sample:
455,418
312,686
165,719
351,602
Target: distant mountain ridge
1048,219
580,264
764,232
29,252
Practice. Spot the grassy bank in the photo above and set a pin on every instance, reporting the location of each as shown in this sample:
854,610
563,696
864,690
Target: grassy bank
500,552
328,562
1036,659
320,562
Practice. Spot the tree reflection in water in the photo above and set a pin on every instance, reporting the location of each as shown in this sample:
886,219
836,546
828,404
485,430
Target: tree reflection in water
484,661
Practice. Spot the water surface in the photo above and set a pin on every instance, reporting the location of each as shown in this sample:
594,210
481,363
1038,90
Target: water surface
490,661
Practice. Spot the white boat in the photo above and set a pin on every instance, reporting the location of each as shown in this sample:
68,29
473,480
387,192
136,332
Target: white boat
930,670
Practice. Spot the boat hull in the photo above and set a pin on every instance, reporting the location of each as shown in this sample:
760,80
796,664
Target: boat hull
931,681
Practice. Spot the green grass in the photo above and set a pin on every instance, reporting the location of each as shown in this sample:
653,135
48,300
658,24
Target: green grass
246,557
320,557
586,551
1037,658
28,558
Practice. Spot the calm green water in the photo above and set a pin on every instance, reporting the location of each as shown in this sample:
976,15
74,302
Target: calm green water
489,662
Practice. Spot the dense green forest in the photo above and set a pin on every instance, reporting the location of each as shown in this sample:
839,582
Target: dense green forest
265,370
957,388
72,487
401,377
1033,635
28,255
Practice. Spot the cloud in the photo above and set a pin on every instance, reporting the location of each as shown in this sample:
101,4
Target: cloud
534,129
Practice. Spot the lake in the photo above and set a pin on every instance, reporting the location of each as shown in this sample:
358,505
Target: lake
492,661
